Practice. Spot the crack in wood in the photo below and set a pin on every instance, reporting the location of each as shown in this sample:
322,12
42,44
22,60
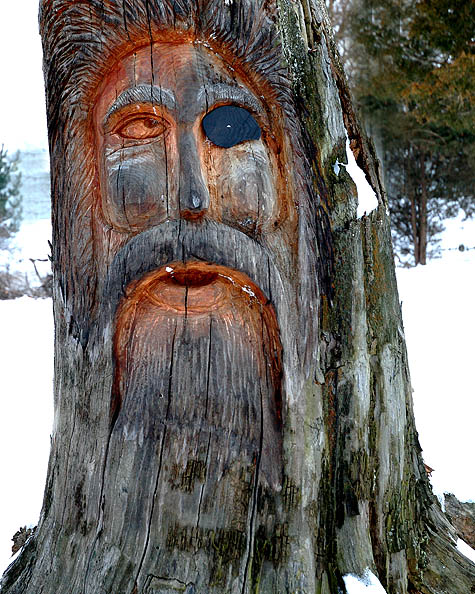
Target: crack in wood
155,585
204,484
152,508
290,494
209,367
251,530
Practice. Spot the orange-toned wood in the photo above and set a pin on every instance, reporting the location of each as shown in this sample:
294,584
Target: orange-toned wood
150,178
198,301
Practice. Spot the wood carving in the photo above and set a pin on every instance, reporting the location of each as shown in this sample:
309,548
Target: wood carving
233,408
191,159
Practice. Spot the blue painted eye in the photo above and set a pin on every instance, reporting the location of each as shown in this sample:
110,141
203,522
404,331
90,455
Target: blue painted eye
229,125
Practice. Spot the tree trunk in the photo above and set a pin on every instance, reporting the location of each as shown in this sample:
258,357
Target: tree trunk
423,212
233,407
415,233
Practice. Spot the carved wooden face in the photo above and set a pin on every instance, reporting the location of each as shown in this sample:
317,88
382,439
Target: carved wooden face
188,178
179,135
189,242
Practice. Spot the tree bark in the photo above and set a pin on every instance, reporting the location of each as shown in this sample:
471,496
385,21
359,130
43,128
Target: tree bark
423,212
462,517
232,399
414,227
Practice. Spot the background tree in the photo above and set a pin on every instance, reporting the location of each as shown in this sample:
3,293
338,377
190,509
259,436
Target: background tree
411,65
10,198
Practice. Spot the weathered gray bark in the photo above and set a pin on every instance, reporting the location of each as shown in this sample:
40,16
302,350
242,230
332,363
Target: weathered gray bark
462,517
240,458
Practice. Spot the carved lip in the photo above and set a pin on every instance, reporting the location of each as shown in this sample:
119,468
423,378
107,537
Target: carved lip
194,288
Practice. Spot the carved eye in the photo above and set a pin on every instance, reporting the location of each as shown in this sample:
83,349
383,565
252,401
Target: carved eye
142,128
229,125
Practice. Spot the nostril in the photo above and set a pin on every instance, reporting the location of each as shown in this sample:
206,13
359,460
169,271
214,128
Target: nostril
196,200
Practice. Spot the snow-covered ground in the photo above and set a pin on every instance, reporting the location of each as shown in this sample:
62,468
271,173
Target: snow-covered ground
31,242
439,319
26,388
26,413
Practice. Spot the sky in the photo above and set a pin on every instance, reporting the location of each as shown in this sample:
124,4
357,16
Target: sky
22,104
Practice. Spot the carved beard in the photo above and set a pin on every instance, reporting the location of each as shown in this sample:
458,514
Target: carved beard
197,408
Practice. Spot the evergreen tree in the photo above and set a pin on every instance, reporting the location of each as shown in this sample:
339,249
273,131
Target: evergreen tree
10,198
412,69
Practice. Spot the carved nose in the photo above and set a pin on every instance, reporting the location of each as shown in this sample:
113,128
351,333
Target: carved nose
193,193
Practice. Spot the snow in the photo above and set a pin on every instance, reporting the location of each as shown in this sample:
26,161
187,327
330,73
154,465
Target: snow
439,321
31,242
26,413
437,303
249,291
466,549
367,200
368,583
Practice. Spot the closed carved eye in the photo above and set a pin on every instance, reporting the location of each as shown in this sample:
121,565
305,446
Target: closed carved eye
142,127
229,125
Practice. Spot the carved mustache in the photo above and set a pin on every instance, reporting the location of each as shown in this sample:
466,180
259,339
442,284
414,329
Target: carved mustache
184,241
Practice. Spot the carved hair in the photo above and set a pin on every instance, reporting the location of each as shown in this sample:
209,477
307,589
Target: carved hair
81,37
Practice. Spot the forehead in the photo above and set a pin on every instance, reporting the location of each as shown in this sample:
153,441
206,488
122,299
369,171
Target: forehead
173,62
185,69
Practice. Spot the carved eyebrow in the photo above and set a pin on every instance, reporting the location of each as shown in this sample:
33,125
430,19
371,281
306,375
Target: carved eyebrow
142,94
222,91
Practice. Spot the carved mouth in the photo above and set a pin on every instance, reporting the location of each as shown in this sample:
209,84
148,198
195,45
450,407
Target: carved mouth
241,263
193,288
192,275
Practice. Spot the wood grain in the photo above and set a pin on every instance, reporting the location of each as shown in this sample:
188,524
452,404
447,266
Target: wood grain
197,425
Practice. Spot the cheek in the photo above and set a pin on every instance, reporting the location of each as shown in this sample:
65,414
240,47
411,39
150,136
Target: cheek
137,185
245,186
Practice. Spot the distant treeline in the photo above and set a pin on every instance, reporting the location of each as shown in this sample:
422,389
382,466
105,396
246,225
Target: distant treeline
411,66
